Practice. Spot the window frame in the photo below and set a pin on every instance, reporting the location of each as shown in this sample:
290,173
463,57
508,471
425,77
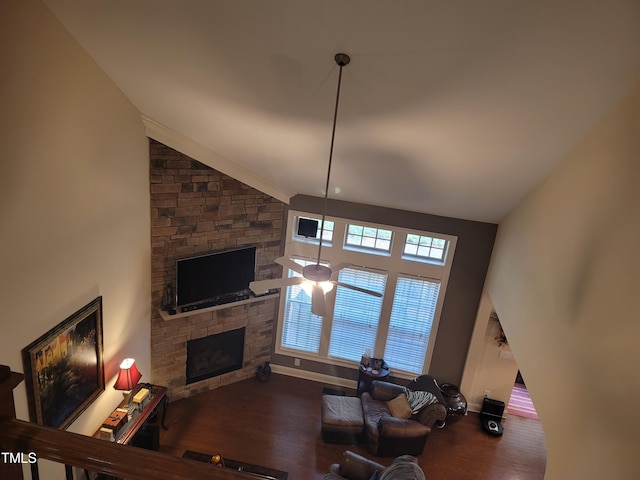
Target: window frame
374,250
415,257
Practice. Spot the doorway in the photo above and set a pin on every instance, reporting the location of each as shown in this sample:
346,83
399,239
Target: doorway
520,403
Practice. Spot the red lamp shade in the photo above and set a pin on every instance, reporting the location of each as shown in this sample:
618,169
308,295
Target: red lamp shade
128,376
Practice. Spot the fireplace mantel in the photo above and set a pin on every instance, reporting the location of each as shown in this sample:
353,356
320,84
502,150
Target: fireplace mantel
167,316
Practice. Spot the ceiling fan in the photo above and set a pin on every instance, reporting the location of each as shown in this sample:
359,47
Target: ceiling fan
320,277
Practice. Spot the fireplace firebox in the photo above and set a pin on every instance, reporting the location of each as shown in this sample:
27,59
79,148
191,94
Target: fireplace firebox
215,355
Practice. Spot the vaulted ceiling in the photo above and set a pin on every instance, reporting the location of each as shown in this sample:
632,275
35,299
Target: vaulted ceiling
454,108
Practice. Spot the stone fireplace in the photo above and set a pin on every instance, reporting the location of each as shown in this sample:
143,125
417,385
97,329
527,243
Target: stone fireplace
214,355
197,210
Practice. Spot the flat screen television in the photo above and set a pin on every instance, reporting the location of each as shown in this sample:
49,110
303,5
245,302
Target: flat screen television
214,276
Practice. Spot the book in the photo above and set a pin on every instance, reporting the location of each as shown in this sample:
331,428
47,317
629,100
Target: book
116,420
107,434
141,398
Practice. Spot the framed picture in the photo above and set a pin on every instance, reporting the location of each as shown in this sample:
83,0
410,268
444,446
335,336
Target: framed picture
64,369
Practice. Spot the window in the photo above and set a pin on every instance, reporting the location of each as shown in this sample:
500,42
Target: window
426,247
356,314
412,315
301,328
369,237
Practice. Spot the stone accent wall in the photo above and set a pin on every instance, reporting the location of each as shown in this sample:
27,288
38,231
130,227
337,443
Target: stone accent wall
197,210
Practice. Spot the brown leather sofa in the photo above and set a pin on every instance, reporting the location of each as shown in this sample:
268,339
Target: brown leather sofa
357,467
388,436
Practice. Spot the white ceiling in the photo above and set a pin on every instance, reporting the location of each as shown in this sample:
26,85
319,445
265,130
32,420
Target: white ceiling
455,108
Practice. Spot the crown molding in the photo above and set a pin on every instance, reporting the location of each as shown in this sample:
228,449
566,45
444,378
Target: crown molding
195,150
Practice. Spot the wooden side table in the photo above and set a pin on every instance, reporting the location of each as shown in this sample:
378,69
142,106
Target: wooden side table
366,375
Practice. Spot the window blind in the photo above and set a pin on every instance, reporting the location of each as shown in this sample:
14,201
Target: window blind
412,315
356,314
301,329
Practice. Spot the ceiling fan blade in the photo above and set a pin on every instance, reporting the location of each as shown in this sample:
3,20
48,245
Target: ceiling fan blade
358,289
263,286
290,264
318,301
336,269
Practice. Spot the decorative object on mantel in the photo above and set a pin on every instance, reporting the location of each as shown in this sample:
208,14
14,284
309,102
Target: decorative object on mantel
66,358
321,278
128,377
501,338
168,298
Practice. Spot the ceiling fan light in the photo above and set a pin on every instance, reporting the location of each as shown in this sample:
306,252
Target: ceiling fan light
308,286
326,286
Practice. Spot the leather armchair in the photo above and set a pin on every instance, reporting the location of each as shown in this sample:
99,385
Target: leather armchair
353,467
386,435
357,467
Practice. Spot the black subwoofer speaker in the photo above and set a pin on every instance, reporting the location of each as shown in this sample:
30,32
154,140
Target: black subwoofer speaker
147,437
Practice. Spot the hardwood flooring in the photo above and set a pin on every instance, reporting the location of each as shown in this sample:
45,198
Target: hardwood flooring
277,424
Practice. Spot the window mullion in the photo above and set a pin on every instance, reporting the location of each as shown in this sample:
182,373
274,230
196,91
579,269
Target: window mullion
339,232
396,250
385,315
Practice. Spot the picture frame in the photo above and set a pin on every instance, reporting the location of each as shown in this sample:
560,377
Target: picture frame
64,368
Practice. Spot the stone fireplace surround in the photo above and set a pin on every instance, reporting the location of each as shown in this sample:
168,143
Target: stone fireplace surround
197,210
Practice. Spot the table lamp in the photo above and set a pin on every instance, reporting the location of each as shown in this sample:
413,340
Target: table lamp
128,378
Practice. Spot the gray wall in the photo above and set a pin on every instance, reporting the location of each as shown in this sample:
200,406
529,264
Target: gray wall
466,281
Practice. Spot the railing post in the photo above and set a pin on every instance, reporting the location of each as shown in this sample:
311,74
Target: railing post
8,381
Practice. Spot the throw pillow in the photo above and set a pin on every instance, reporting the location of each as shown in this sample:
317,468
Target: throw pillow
420,399
399,407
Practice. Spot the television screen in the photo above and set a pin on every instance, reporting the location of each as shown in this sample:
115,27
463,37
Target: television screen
213,276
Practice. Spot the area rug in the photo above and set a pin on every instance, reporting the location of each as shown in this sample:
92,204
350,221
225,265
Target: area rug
520,403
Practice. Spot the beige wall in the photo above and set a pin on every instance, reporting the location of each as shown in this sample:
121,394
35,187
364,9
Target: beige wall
564,281
74,202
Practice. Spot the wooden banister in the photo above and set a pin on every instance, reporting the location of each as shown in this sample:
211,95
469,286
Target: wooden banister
122,461
8,382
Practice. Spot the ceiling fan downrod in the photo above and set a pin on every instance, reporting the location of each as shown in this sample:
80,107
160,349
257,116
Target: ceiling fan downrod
317,272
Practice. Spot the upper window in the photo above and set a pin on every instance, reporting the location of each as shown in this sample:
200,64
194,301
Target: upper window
369,237
425,247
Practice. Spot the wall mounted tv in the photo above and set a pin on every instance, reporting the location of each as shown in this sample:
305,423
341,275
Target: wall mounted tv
214,278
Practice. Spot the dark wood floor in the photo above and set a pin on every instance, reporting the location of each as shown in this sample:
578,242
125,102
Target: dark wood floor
277,424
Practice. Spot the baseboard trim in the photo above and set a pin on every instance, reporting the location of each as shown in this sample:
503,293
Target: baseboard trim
316,377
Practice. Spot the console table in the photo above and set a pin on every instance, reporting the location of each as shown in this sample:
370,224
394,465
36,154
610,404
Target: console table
137,418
